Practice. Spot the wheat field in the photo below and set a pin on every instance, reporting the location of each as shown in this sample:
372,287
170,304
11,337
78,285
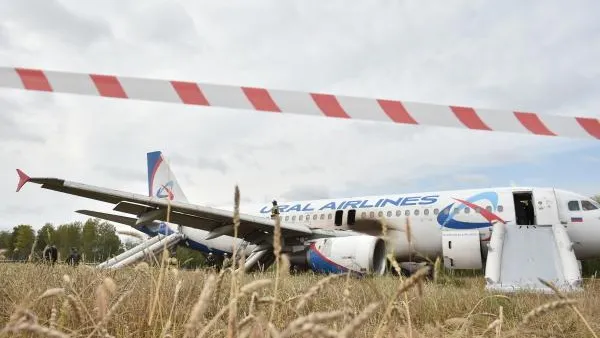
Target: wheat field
144,301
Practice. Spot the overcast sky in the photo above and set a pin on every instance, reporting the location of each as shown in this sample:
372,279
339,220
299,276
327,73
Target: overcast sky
538,56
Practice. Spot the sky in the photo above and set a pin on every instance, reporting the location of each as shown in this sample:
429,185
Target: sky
511,55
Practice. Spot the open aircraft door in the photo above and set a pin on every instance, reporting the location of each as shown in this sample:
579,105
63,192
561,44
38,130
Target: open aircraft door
561,209
545,207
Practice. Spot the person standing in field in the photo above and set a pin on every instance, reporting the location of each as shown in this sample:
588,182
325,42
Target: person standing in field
74,257
50,254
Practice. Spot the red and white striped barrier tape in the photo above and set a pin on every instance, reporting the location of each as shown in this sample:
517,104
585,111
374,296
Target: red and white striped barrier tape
303,103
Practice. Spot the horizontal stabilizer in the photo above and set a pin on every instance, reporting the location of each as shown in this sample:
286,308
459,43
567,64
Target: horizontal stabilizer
109,217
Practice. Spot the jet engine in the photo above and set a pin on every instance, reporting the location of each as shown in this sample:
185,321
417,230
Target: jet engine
359,254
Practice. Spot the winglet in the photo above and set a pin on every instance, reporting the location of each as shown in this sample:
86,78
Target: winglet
23,178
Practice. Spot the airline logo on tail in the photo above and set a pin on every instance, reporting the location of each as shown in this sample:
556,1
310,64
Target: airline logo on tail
159,173
165,190
446,218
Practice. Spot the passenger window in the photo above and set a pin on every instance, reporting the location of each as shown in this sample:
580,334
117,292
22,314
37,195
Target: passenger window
574,205
389,214
406,212
329,216
467,210
500,208
322,216
416,212
293,218
363,215
372,214
488,208
587,205
456,211
300,218
315,216
426,212
436,211
398,213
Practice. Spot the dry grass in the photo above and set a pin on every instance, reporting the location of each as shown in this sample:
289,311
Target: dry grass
163,301
91,303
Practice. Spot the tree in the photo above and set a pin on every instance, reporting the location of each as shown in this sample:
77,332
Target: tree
188,258
23,237
6,240
89,239
68,236
596,198
109,244
46,236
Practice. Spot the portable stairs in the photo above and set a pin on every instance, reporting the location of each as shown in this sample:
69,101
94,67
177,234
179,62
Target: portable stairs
153,245
519,255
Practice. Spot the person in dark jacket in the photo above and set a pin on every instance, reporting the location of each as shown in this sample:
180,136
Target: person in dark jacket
50,254
274,210
74,257
530,213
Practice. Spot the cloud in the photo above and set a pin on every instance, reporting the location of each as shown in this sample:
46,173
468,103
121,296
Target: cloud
121,173
306,193
472,179
591,158
200,163
539,57
10,128
42,22
4,38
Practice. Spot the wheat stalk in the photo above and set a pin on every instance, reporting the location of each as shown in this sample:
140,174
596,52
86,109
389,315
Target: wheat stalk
277,253
200,306
573,306
231,323
545,308
314,290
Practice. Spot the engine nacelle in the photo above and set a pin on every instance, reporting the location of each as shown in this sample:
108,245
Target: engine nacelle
462,249
360,254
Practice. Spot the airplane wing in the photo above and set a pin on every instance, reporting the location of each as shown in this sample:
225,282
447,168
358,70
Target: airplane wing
131,221
145,208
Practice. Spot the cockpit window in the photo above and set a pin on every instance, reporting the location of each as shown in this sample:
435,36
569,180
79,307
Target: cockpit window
574,205
587,205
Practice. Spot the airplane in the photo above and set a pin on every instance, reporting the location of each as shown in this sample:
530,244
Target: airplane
344,234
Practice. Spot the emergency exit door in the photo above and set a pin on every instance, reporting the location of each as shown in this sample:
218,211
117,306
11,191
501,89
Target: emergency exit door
545,207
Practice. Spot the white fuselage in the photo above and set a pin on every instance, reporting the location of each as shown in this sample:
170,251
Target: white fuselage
430,213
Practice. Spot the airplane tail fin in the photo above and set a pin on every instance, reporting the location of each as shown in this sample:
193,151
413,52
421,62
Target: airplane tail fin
161,180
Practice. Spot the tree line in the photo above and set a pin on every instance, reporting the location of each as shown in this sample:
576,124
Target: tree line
95,240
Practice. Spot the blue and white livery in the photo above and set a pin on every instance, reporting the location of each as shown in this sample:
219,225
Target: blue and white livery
338,235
